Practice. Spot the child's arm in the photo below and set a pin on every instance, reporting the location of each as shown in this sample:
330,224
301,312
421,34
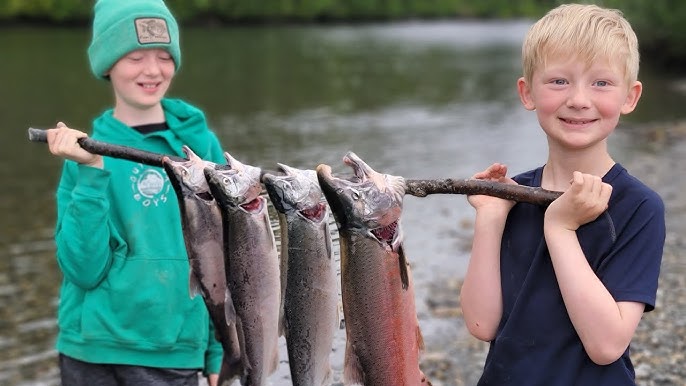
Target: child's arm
481,296
604,326
83,237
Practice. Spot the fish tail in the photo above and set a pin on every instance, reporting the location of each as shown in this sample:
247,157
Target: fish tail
404,270
229,372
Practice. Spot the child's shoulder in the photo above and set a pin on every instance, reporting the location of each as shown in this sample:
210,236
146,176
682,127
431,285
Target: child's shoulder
628,187
530,178
180,106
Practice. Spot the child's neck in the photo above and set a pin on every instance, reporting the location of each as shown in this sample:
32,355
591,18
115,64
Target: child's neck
558,171
132,116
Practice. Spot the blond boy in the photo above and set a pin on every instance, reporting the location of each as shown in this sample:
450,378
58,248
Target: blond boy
559,291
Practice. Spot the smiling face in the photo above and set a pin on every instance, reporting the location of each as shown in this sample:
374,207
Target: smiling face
578,105
141,78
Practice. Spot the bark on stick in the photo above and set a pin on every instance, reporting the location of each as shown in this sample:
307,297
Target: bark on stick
520,193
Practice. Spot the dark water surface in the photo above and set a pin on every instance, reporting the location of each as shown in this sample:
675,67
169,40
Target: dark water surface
420,100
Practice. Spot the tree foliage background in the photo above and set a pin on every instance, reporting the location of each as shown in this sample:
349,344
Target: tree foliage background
660,24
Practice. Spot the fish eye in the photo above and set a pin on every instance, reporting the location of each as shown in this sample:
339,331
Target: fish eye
225,181
355,194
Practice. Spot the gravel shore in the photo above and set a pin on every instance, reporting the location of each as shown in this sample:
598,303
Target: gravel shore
659,346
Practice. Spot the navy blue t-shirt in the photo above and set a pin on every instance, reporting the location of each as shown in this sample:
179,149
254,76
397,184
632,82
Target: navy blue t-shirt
536,343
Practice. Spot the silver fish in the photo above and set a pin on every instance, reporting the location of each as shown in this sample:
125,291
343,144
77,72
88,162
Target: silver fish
202,230
252,265
383,339
308,274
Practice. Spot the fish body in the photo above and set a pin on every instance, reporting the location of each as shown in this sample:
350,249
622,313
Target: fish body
252,265
383,338
308,274
202,230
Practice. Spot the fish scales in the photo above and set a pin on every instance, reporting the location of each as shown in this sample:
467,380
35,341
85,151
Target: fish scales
381,322
251,261
310,305
202,223
253,279
310,284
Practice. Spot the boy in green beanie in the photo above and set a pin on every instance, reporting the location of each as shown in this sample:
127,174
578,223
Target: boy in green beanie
125,316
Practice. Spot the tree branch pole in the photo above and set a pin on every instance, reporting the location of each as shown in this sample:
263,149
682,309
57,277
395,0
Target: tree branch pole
109,150
417,188
520,193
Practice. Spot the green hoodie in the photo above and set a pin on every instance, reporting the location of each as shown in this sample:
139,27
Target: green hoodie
125,294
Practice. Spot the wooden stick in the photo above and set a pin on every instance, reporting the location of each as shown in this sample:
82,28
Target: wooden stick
417,188
520,193
109,150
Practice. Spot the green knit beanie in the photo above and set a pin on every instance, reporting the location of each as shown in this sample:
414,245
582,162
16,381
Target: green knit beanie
122,26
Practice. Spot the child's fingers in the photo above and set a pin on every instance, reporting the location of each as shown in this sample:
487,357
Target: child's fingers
494,172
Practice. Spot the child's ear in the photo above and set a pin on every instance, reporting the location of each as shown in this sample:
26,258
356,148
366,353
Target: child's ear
632,97
525,94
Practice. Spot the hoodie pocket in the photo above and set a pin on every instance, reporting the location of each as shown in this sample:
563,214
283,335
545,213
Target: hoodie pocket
145,303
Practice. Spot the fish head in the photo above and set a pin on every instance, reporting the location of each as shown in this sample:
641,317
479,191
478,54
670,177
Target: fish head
367,201
297,192
187,176
235,184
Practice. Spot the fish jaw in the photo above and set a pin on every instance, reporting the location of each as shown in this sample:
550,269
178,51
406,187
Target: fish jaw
236,185
296,192
368,202
187,177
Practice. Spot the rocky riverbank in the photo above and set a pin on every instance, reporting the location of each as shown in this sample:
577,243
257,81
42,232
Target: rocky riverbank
659,346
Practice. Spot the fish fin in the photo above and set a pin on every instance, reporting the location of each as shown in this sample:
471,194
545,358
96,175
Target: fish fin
271,240
283,265
420,338
404,269
247,367
193,285
353,374
229,309
424,380
228,372
283,324
275,360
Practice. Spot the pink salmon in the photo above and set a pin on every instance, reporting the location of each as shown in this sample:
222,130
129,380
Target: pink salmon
383,339
252,265
201,222
308,274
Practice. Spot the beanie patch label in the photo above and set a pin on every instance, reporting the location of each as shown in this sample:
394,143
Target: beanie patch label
152,30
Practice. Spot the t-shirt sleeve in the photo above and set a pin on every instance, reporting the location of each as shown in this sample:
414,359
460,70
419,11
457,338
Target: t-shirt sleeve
631,270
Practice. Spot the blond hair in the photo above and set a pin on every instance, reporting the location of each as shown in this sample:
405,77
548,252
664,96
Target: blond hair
587,32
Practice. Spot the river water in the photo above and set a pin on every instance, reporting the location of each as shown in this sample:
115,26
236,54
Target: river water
419,100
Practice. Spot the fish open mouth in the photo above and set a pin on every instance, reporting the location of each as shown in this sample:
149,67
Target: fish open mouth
314,214
254,206
386,234
205,196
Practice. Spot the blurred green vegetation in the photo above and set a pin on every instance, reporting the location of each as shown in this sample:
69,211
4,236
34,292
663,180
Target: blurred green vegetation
659,23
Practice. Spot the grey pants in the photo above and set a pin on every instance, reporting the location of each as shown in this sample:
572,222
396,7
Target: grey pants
78,373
